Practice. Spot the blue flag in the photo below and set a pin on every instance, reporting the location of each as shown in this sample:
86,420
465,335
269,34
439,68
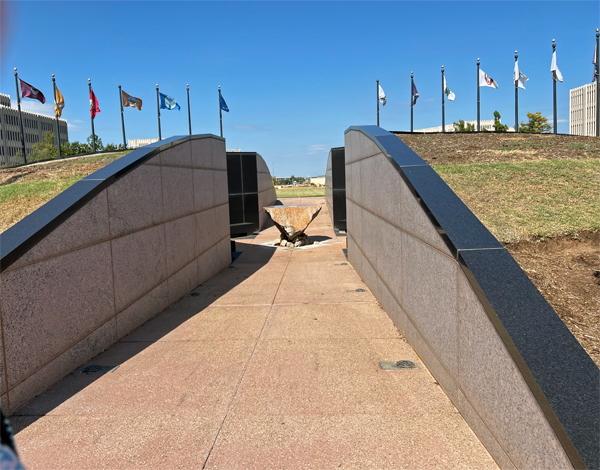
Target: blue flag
224,105
166,102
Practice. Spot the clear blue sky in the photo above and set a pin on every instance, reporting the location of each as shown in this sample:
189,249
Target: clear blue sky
295,75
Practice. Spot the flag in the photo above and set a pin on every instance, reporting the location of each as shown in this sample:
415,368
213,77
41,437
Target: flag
554,68
484,80
59,103
28,91
224,105
381,95
166,102
595,64
449,94
415,94
519,77
131,101
94,105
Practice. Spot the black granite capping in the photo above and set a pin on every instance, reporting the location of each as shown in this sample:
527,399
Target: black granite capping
337,157
561,375
22,236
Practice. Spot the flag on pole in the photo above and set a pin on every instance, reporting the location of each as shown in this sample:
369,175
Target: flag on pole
415,94
28,91
594,62
166,102
59,103
519,77
484,80
94,105
224,105
449,94
554,68
382,96
131,101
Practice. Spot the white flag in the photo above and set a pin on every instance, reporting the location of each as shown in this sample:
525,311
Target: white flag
449,94
484,80
381,95
554,68
519,77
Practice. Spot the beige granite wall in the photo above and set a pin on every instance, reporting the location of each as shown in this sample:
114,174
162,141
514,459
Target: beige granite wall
139,245
403,259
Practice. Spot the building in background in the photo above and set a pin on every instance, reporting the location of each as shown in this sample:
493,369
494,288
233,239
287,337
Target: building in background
487,124
317,180
137,143
34,125
582,110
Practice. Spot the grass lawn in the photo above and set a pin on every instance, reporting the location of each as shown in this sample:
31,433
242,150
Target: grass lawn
24,189
300,192
532,199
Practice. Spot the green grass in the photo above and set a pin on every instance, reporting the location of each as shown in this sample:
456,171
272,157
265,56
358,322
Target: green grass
516,201
300,192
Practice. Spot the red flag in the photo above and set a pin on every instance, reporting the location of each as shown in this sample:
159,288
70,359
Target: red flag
94,106
28,91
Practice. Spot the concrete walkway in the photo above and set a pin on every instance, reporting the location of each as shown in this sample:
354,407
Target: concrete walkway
271,364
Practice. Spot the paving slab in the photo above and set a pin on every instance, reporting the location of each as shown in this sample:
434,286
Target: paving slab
272,363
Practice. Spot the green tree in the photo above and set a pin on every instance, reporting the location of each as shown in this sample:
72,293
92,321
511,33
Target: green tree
90,140
462,126
536,125
498,126
44,150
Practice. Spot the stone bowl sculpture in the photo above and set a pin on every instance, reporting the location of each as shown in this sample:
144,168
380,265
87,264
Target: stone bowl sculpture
292,221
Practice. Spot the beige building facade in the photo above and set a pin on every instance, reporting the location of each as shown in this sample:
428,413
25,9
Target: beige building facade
34,126
582,110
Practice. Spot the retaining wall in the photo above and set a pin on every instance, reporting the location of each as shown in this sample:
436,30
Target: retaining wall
506,360
107,254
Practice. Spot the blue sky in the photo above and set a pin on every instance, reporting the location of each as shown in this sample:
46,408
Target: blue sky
295,75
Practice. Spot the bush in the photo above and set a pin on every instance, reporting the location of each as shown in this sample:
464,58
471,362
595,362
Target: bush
461,126
44,150
536,125
498,126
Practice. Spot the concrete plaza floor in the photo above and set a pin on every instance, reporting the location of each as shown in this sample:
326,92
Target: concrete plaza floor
271,364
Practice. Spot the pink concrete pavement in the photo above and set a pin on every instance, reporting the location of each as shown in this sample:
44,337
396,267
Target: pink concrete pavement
271,364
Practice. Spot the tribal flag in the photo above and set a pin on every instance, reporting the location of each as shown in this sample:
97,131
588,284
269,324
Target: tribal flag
224,105
28,91
381,96
595,63
166,102
519,77
59,103
94,105
449,94
484,80
415,94
554,68
131,101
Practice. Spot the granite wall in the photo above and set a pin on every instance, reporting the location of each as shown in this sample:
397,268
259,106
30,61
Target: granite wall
107,254
502,355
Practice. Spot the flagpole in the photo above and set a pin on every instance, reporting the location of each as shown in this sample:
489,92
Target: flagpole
20,117
554,81
597,72
377,95
92,117
443,104
158,112
189,115
122,118
478,99
516,97
56,115
412,84
220,112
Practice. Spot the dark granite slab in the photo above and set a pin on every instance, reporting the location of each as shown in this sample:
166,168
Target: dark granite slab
555,364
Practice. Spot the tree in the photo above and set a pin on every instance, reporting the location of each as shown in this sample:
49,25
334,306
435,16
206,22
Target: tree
462,126
44,150
498,126
537,124
99,146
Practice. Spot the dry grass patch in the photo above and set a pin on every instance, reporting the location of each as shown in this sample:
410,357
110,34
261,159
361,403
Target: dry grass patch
300,192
